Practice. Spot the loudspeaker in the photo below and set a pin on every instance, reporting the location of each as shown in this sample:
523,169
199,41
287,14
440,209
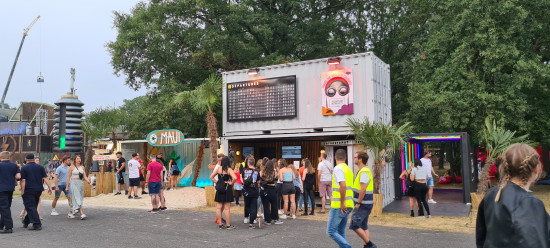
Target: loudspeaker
29,144
46,143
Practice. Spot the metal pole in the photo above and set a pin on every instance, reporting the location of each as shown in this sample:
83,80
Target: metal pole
12,70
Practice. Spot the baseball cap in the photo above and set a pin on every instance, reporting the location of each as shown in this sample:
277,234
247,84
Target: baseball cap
29,156
134,154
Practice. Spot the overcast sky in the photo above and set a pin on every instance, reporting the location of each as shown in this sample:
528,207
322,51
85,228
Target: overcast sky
69,33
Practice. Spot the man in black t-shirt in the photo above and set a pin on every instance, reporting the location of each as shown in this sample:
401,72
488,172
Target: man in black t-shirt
120,168
8,173
33,177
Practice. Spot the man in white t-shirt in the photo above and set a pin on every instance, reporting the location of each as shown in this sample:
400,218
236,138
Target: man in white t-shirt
133,175
324,175
427,165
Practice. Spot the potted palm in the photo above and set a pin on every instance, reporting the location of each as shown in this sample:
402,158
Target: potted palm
382,140
496,140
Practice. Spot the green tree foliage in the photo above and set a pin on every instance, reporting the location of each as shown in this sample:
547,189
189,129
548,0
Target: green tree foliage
98,124
482,58
178,43
204,100
383,140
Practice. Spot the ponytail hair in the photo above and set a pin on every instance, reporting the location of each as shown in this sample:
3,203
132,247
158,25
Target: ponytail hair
518,161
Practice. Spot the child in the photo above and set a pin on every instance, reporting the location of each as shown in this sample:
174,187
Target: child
508,215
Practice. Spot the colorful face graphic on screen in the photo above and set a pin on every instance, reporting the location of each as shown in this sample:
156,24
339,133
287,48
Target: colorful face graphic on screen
336,96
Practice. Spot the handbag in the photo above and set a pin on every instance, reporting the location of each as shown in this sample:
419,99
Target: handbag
80,175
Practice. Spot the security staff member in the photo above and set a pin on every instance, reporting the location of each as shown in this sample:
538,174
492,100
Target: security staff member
363,198
9,172
33,177
342,202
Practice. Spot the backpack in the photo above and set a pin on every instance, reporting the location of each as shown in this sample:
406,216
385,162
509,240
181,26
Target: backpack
248,178
221,186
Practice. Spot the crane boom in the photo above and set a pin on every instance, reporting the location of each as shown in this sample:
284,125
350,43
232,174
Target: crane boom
25,33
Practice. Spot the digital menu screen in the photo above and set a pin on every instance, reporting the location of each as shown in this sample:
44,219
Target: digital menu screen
272,98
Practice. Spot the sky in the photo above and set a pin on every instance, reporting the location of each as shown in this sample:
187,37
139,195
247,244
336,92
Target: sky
69,33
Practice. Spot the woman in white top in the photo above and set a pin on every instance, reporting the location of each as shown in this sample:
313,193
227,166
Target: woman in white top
419,175
76,186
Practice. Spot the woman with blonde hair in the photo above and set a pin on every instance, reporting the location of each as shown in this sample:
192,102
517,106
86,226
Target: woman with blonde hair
508,215
76,174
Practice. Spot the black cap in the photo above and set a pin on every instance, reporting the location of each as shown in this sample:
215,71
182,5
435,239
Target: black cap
29,156
134,155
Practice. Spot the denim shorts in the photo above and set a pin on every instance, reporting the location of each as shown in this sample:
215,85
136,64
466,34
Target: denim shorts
430,182
62,188
154,188
360,217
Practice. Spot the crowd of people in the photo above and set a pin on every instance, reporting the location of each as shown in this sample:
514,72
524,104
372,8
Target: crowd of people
69,179
275,187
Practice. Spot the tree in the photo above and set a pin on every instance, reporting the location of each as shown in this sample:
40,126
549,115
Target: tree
178,43
381,139
98,124
203,100
482,58
496,140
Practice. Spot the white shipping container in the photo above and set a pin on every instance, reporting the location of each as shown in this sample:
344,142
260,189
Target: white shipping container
371,96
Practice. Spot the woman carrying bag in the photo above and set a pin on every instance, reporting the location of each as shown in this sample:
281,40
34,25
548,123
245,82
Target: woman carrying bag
76,186
409,190
224,192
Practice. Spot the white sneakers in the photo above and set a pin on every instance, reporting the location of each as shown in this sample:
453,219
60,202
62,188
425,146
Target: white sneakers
281,211
83,217
293,216
54,213
431,201
70,216
283,217
245,221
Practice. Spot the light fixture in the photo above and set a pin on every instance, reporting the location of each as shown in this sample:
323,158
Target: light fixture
238,153
334,61
322,151
253,71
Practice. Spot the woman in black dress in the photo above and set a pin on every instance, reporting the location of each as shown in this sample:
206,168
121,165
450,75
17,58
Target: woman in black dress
224,192
409,191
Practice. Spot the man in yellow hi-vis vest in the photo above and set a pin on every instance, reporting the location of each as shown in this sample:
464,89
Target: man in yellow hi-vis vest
342,202
363,198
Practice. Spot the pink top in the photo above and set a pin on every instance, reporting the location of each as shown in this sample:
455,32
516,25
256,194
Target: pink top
156,169
238,176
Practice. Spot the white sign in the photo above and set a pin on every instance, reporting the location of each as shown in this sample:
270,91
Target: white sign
101,157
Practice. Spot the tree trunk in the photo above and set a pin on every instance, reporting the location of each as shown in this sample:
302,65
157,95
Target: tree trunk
213,135
483,184
198,164
376,175
113,139
88,159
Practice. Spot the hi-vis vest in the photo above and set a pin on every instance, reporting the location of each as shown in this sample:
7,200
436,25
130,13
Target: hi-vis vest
335,203
368,198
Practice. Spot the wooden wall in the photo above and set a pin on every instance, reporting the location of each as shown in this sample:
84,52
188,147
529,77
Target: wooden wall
310,150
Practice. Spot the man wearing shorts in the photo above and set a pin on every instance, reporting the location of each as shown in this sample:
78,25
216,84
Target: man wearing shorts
325,180
133,175
60,181
120,167
363,199
427,165
154,181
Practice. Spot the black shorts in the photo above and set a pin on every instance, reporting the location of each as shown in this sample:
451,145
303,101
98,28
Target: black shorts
134,182
288,188
141,178
175,173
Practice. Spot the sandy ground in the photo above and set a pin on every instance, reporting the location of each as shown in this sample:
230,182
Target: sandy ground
182,198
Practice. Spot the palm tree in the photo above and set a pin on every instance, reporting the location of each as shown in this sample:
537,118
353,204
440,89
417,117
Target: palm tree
93,132
203,100
496,140
382,139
